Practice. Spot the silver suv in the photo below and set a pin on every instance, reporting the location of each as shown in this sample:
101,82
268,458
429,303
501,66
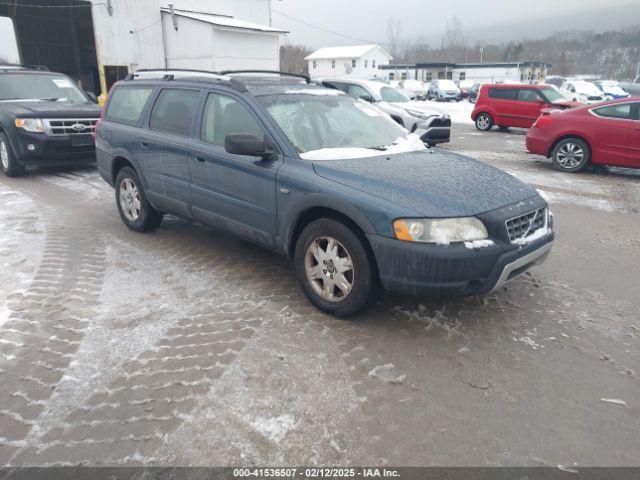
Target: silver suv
430,124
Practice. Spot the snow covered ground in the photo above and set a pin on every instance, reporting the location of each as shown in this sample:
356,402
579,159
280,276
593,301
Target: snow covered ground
460,112
189,347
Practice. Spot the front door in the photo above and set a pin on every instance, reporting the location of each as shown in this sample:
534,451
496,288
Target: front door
233,191
527,107
165,149
634,136
612,131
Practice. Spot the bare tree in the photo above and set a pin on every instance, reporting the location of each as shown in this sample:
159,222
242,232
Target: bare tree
3,61
292,59
454,38
394,35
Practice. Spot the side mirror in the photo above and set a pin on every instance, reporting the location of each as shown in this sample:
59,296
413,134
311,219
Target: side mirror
248,145
366,98
92,97
540,101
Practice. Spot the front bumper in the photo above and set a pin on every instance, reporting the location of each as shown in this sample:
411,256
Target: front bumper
53,150
432,270
434,131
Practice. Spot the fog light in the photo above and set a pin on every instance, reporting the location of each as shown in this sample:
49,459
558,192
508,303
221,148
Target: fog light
31,147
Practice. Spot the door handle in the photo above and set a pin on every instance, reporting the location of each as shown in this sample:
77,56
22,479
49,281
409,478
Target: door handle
200,159
145,144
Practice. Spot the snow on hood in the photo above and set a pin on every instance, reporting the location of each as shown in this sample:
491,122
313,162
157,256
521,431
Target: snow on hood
402,145
421,106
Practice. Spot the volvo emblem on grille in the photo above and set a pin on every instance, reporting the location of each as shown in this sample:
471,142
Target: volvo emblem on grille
78,127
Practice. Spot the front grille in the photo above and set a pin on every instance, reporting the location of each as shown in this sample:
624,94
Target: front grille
521,227
70,126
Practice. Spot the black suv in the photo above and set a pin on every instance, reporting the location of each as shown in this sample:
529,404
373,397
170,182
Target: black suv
45,120
331,181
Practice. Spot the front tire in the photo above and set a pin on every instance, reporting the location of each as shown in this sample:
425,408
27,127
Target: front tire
8,163
484,122
571,155
134,208
335,269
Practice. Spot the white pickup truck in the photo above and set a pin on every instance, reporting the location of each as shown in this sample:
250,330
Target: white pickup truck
633,88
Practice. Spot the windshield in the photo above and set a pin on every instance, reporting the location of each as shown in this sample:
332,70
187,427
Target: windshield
447,84
29,86
388,94
315,122
552,94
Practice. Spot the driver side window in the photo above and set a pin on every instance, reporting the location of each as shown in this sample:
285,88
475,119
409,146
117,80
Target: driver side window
224,116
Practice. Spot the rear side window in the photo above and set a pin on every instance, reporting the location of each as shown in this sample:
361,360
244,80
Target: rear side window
225,116
127,103
622,110
502,93
174,111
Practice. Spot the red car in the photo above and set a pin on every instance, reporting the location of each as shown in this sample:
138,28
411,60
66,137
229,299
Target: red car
607,134
515,105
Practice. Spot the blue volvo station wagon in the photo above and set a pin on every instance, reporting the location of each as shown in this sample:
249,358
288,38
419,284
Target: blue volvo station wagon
357,202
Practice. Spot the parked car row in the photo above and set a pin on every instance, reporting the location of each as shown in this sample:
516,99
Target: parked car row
572,134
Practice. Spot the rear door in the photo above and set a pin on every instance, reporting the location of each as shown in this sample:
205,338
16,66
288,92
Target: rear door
527,107
613,131
503,103
165,149
236,192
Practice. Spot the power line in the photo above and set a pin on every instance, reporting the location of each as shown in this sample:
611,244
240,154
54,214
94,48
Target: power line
326,30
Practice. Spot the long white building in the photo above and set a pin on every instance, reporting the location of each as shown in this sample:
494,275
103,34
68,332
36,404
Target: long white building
361,61
98,42
490,72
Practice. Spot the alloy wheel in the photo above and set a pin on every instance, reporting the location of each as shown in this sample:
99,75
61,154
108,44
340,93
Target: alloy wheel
329,269
130,199
483,122
4,155
570,155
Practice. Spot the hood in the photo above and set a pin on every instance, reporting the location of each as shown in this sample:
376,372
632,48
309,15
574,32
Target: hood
47,109
431,183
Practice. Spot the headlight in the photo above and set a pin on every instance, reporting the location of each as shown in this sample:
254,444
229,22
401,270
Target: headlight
440,231
418,113
30,124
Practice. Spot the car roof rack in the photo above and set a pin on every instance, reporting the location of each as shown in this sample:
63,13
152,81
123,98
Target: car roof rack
306,78
171,74
18,66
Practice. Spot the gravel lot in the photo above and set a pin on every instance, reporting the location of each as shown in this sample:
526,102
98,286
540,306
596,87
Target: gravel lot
189,347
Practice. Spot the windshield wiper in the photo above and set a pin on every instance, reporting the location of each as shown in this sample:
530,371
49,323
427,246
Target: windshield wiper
382,148
53,99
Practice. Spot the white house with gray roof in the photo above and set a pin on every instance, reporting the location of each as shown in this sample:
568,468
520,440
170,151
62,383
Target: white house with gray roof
360,61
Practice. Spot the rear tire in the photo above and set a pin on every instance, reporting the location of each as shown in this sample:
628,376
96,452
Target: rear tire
571,155
134,208
337,272
8,163
484,122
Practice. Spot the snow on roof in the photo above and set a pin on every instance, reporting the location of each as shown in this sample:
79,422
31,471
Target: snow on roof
356,51
224,21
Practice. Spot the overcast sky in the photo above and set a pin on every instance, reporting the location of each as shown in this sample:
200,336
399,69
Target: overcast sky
487,20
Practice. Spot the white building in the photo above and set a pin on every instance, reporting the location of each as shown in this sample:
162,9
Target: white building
496,72
362,61
104,41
